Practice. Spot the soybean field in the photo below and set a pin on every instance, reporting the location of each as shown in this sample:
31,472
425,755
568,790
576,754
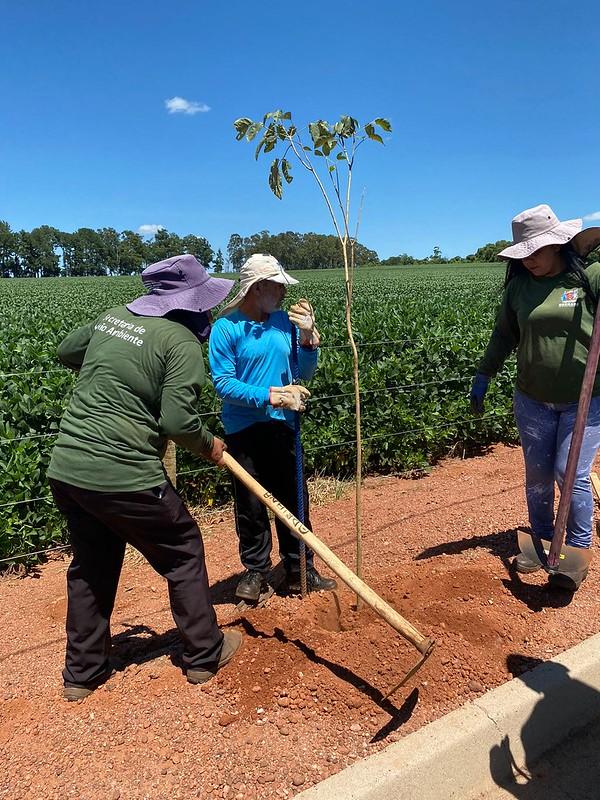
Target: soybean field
421,331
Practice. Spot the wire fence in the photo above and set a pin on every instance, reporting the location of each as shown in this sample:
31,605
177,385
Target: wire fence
342,346
423,429
313,401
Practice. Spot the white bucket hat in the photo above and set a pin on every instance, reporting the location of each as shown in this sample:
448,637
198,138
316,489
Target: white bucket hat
538,227
259,267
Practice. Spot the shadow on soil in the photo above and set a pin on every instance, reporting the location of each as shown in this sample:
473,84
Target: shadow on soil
398,716
140,643
572,770
503,545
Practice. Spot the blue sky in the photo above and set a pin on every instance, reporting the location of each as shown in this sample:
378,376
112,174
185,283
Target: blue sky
495,107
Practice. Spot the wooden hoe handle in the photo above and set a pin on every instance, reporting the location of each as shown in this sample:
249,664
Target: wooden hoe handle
300,531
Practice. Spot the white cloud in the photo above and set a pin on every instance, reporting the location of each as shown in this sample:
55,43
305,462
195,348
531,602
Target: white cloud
150,230
179,105
592,217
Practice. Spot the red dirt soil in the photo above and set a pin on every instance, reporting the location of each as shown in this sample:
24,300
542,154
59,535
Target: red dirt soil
305,696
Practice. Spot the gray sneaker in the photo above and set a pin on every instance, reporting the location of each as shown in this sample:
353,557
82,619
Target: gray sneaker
231,644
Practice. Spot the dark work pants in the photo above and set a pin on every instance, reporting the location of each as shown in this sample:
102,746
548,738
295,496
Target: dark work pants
157,523
267,451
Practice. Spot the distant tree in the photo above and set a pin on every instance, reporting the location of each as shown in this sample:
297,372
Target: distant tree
164,245
36,253
132,253
109,248
88,253
65,243
198,246
9,243
436,255
403,258
235,252
218,265
489,252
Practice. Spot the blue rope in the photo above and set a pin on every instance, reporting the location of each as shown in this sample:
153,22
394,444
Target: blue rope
299,461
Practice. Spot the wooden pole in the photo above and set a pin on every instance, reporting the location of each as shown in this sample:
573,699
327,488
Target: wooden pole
170,462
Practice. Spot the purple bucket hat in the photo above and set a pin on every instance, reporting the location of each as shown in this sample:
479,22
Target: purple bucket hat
179,283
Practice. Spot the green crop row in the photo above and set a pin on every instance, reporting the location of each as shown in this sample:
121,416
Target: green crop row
420,332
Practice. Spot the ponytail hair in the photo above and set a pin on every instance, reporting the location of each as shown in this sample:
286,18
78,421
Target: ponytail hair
574,266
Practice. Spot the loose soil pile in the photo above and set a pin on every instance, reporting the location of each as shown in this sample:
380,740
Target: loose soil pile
305,696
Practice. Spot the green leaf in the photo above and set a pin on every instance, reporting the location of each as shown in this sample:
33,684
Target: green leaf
285,168
281,132
253,129
383,123
370,131
241,125
261,144
315,132
332,168
341,157
275,179
318,153
349,126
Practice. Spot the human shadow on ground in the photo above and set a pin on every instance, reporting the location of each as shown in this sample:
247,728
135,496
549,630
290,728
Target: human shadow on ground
571,770
503,545
536,597
140,643
398,715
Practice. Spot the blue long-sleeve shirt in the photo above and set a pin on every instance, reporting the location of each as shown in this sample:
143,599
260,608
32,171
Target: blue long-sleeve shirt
246,358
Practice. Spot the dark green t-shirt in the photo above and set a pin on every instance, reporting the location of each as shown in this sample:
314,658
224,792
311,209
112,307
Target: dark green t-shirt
139,385
549,322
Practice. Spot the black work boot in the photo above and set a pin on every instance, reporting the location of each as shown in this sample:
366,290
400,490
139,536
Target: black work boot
314,582
250,586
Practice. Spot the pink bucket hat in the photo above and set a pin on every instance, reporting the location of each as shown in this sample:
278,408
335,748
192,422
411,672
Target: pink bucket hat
179,283
539,226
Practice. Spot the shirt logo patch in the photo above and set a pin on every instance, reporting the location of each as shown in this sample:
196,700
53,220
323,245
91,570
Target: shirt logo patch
569,298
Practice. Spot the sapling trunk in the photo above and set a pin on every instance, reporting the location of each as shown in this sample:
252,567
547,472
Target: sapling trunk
342,139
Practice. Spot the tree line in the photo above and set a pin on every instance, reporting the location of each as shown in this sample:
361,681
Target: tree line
48,252
296,250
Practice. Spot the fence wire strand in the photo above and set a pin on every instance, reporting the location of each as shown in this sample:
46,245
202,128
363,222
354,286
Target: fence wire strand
313,401
470,420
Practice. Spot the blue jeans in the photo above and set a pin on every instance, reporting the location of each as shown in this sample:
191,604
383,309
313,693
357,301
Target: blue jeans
545,430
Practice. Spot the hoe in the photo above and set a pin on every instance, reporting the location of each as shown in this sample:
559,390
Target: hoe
301,532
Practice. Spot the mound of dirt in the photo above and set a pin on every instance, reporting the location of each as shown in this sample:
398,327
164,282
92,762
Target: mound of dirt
306,695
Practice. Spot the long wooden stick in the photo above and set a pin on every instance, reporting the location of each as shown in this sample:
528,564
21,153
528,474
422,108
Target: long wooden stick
385,611
566,495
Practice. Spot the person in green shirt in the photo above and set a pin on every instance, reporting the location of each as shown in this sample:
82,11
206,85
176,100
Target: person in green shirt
140,375
546,315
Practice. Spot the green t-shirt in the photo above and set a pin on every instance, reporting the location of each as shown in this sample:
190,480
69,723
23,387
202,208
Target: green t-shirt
139,385
549,322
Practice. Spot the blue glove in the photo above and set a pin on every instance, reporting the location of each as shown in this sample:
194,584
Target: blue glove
478,389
